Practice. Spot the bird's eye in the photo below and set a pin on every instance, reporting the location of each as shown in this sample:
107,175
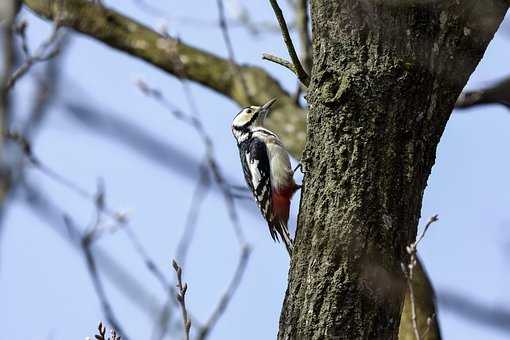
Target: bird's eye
248,111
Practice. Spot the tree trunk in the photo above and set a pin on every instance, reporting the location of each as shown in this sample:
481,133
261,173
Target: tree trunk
385,77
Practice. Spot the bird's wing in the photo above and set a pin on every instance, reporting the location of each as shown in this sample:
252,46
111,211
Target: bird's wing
257,173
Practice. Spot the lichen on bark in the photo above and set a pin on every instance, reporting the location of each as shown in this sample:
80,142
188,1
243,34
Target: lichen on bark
385,77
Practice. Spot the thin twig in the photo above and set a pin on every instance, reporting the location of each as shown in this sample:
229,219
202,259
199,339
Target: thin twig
408,277
408,272
218,177
102,333
280,61
241,19
181,298
225,299
106,306
229,201
148,261
48,86
203,185
300,71
231,55
98,199
433,219
217,173
122,279
47,50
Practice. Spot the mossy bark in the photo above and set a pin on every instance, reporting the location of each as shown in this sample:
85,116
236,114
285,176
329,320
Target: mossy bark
385,78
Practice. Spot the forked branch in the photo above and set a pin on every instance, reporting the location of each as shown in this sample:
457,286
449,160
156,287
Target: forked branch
299,70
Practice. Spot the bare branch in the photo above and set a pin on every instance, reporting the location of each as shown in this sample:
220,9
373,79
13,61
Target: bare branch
181,298
101,208
47,81
431,220
496,316
47,50
408,272
127,35
498,93
211,162
119,276
203,185
280,61
86,241
241,19
7,18
300,71
225,299
231,55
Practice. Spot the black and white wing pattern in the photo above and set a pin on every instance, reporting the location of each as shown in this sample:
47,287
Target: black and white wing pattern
257,172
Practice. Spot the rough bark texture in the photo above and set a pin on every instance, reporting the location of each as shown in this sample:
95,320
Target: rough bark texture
125,34
385,77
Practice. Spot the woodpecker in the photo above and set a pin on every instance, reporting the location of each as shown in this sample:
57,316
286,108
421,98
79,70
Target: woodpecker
267,169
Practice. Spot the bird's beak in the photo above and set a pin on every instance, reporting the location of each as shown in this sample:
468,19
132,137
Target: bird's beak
268,105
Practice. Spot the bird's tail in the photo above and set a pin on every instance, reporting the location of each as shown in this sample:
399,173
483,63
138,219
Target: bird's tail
285,235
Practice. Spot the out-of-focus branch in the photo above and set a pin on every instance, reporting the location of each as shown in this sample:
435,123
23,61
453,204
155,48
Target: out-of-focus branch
125,34
222,305
8,11
47,88
98,199
7,41
302,20
86,243
46,51
137,139
489,315
300,71
212,165
201,190
419,319
231,55
241,18
498,93
210,159
119,276
143,143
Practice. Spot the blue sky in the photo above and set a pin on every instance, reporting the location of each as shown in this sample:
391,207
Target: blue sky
44,286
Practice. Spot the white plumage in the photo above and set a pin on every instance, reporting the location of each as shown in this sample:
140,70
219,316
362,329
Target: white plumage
267,169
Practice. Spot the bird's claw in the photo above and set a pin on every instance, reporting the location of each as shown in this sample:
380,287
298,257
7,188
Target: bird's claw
300,167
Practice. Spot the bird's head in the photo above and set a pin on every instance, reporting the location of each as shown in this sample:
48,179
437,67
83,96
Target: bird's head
252,116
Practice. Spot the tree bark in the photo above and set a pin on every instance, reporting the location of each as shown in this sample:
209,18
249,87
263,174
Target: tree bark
127,35
385,78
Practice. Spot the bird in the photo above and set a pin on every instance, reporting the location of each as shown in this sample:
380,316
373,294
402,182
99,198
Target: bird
267,169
